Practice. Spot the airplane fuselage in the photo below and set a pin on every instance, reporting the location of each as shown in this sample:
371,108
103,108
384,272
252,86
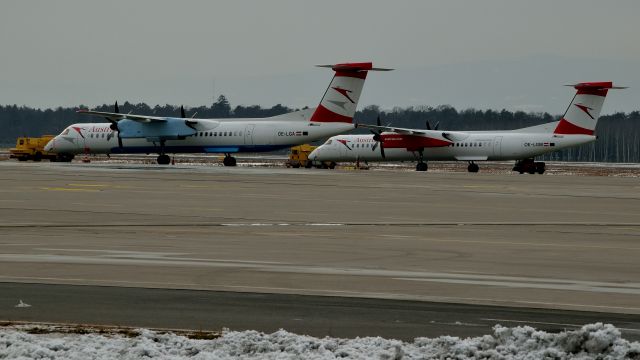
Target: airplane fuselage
212,136
478,146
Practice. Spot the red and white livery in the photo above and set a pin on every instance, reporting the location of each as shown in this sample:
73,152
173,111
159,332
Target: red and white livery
130,133
576,127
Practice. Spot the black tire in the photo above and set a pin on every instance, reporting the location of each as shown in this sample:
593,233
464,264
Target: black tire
422,166
473,168
540,168
308,164
332,165
23,158
229,161
37,156
164,159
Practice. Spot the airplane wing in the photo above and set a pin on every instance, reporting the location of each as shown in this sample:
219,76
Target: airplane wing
398,130
119,116
449,135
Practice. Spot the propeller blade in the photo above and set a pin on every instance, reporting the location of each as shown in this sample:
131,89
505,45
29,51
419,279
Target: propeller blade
182,114
116,109
382,150
378,120
119,141
373,148
436,127
191,124
428,125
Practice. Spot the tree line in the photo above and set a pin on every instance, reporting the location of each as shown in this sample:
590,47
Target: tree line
618,134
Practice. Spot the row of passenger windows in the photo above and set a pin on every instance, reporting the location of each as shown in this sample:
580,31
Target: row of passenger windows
219,133
471,144
363,145
202,133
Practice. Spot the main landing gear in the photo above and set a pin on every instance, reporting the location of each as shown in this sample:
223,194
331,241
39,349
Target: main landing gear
163,159
529,166
229,160
473,167
422,165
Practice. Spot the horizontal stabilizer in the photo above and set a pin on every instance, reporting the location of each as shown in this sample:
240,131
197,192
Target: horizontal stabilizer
364,66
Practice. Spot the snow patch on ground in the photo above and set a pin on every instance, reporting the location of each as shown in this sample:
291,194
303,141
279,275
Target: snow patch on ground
593,341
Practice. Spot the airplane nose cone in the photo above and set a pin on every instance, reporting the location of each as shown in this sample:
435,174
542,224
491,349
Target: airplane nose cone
313,155
50,145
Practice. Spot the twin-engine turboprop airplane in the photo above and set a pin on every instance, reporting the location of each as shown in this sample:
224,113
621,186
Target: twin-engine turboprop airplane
576,127
129,133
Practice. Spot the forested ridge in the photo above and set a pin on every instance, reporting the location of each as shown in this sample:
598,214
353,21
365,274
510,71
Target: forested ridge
618,134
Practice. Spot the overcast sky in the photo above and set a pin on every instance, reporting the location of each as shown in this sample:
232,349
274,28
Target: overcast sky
484,54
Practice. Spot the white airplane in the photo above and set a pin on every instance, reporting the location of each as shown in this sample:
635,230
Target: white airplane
576,127
130,133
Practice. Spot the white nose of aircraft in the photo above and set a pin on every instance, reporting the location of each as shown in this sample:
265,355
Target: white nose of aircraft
50,147
314,154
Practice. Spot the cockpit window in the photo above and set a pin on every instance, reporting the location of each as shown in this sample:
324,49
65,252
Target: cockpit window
65,132
328,142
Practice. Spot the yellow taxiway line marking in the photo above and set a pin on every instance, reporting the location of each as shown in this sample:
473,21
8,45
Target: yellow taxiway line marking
69,189
89,185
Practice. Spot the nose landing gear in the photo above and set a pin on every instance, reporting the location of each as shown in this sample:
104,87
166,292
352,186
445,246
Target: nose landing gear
473,167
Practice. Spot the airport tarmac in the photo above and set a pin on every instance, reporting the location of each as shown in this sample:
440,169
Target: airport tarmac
529,241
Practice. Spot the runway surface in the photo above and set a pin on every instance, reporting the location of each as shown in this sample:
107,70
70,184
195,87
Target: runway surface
556,242
303,314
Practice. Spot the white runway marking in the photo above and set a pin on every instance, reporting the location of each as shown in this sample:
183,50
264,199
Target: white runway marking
137,258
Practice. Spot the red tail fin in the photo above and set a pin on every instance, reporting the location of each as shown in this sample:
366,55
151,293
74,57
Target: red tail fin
341,97
583,112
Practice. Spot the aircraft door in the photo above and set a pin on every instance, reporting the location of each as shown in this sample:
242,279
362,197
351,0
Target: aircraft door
497,147
248,134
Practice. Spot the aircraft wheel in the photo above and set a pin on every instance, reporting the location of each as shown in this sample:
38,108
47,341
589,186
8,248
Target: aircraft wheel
473,167
422,166
164,159
308,164
229,161
540,168
332,165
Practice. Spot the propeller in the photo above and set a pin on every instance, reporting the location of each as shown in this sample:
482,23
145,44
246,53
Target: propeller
114,125
377,137
189,123
434,128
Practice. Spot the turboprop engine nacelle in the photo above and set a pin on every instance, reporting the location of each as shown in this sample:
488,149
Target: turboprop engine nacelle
172,128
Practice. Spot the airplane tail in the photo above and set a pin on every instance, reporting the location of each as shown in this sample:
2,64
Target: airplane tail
583,112
341,97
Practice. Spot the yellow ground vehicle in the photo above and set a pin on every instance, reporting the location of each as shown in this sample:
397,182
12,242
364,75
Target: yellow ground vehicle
32,148
299,157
